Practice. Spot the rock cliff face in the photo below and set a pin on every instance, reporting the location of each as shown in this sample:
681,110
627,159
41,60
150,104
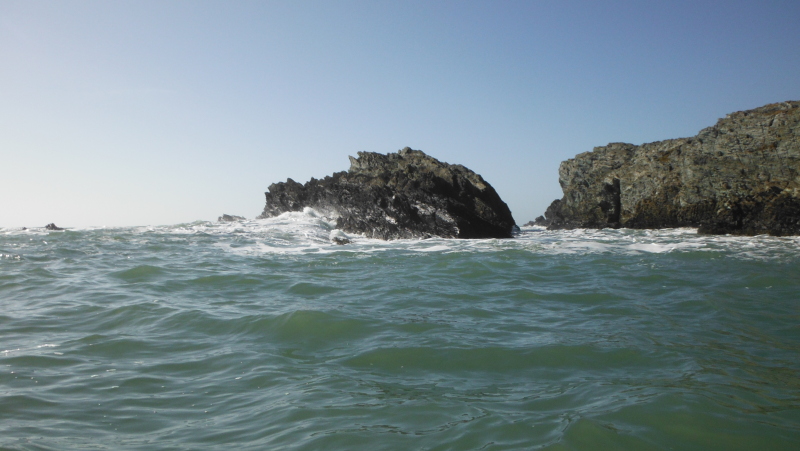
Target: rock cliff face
407,194
741,176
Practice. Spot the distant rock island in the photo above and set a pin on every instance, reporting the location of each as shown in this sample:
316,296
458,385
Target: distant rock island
741,176
230,218
407,194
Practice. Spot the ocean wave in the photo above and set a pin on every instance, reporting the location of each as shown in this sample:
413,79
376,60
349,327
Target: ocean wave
311,233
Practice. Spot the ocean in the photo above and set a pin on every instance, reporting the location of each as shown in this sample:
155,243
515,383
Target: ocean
261,335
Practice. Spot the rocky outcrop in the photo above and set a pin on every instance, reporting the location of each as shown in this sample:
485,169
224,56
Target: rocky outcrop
741,176
407,194
52,226
230,218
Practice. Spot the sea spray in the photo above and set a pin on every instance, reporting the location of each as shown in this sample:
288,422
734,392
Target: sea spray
266,334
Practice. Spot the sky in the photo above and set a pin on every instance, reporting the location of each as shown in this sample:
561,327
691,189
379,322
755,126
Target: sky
129,113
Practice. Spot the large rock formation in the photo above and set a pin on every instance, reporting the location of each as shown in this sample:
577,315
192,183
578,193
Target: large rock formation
400,195
741,176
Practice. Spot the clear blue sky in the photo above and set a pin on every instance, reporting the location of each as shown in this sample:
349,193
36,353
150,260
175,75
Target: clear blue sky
159,112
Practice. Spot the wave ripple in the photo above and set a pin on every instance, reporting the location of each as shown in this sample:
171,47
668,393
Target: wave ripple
264,334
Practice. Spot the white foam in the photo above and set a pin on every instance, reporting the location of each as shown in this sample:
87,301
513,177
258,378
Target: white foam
311,232
652,248
336,233
439,248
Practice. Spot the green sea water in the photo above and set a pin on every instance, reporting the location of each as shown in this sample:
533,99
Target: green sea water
264,335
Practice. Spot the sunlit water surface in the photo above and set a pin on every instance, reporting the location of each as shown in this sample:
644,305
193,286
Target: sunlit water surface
264,335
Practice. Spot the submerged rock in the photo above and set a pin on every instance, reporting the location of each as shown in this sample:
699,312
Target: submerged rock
338,237
407,194
741,176
52,226
230,218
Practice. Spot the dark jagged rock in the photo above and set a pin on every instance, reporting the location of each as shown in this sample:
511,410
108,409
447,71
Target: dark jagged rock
407,194
52,226
230,218
339,237
741,176
537,221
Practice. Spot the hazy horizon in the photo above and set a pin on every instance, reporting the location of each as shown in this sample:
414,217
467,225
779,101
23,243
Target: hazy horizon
136,113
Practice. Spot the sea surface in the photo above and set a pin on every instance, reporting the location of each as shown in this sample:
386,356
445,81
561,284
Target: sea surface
262,335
